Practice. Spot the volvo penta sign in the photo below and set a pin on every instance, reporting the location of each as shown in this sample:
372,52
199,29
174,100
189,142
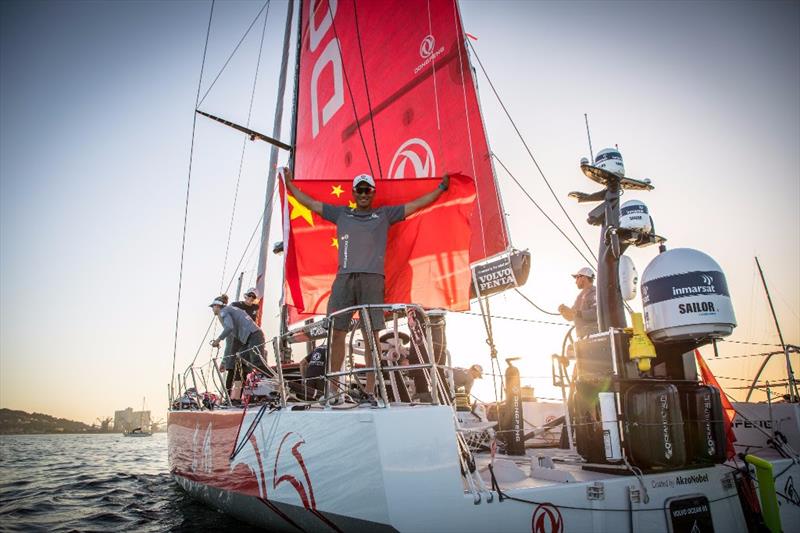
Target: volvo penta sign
493,276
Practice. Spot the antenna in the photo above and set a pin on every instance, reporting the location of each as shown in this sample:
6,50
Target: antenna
589,135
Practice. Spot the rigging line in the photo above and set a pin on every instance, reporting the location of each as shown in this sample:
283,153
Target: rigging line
530,153
236,48
350,89
244,252
244,148
247,246
517,319
533,304
742,356
366,88
186,202
555,225
749,343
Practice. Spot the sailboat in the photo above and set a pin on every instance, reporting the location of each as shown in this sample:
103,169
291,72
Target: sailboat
637,453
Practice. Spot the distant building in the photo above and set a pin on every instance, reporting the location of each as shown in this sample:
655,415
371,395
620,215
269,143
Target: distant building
129,419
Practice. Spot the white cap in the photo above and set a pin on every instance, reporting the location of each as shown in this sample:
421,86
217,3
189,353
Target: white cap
251,290
218,302
585,271
363,178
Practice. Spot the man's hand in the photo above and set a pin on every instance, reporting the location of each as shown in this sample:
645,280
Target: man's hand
303,198
215,343
566,312
446,181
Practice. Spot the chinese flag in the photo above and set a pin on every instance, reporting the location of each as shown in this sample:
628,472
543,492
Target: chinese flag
729,411
427,254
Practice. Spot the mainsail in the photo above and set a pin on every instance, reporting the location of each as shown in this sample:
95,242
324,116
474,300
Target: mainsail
386,88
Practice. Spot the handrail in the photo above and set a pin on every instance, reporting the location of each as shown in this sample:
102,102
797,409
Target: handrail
296,335
315,329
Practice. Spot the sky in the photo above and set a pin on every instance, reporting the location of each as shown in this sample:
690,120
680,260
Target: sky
96,128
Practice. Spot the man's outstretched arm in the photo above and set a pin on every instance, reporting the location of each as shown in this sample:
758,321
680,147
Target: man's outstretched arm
303,198
415,205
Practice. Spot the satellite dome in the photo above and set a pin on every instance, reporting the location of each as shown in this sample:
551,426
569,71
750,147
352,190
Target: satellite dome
633,215
611,160
685,298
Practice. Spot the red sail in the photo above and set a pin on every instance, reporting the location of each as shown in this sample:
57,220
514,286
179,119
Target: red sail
385,88
421,266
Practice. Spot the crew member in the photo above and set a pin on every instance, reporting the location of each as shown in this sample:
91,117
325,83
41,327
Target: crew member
465,377
312,368
250,304
361,233
584,311
239,324
230,364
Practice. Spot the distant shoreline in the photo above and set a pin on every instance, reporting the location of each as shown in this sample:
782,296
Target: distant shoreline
14,422
4,434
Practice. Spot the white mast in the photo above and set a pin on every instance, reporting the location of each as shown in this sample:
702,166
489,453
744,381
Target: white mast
273,157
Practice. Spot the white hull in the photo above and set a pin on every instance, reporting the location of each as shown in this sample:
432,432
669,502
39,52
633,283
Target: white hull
397,469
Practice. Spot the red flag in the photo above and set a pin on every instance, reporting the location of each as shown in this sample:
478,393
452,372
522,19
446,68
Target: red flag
427,255
728,410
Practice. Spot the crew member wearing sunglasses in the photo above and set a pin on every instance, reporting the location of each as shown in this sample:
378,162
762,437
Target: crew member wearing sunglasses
361,234
250,304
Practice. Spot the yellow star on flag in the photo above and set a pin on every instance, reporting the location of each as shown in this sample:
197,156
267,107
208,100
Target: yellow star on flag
337,190
351,204
300,211
335,242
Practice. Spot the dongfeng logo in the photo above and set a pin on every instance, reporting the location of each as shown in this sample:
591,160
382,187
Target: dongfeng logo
414,154
665,426
428,52
426,46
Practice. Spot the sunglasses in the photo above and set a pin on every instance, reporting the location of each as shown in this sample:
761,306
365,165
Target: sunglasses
364,190
251,295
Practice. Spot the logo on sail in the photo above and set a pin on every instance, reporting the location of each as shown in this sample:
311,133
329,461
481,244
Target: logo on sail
428,52
414,159
426,47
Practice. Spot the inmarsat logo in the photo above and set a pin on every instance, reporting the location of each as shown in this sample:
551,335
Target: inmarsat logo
426,46
708,280
413,155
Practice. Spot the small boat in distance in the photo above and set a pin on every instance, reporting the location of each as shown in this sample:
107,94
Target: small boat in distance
138,432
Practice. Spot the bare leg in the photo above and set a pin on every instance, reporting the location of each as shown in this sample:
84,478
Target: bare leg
337,355
368,361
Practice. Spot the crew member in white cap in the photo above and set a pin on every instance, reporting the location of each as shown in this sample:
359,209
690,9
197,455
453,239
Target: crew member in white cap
584,311
361,233
238,323
465,377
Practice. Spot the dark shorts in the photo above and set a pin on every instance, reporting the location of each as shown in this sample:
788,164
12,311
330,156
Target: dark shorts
356,289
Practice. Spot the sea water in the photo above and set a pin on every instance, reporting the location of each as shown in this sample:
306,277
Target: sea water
101,482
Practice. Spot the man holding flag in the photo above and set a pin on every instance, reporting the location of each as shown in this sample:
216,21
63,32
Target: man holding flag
361,233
